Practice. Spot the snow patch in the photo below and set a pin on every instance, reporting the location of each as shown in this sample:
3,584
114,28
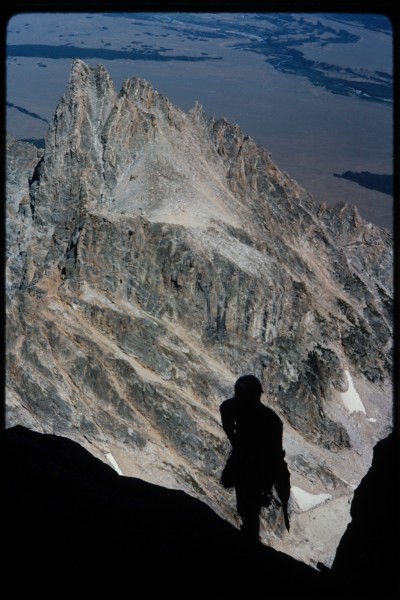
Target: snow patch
113,463
351,398
305,501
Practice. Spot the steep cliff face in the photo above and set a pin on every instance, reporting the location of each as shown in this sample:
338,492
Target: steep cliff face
162,254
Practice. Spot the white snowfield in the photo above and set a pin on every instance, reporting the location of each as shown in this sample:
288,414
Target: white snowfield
306,501
113,463
351,398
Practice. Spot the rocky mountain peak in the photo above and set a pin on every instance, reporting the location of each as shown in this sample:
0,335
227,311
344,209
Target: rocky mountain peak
83,77
163,255
141,92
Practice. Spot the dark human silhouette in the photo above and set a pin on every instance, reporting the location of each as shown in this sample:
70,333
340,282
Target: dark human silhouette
257,460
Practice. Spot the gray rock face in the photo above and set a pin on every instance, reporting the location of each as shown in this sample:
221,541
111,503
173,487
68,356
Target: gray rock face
157,256
22,159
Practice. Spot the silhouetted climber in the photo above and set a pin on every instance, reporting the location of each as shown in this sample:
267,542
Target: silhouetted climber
257,460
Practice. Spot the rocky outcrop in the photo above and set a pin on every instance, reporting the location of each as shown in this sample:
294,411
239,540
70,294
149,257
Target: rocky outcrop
75,527
165,255
21,160
367,556
72,519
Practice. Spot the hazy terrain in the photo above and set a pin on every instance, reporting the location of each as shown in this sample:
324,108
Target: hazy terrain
315,90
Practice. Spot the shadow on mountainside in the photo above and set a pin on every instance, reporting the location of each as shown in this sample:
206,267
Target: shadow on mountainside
72,525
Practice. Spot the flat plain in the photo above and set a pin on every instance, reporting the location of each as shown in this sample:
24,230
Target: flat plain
315,90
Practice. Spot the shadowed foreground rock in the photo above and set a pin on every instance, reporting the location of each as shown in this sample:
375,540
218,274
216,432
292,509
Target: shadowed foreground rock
368,553
74,526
